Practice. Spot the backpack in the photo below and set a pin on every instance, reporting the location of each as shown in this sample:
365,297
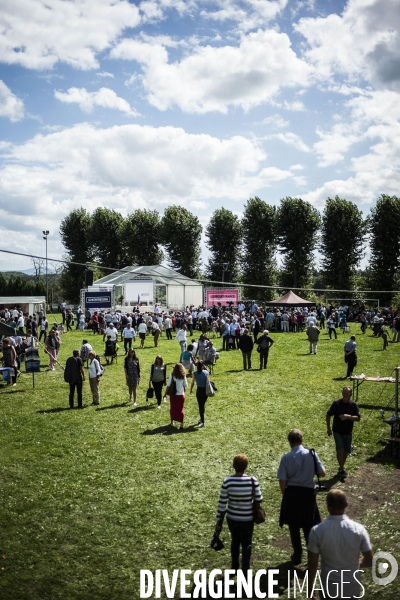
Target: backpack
100,365
264,344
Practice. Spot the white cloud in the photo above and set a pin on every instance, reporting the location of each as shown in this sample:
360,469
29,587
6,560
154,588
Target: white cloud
88,100
212,79
199,204
292,139
105,74
127,166
297,167
276,121
248,15
38,33
362,43
10,106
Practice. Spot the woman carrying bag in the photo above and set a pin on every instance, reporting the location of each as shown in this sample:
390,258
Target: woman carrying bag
158,378
239,495
201,376
132,374
177,384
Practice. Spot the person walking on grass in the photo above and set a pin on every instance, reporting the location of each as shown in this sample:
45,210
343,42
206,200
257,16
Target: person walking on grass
132,374
94,377
52,343
385,334
200,376
158,378
299,507
177,384
246,346
350,355
331,327
74,375
313,336
236,501
339,541
264,343
142,330
345,413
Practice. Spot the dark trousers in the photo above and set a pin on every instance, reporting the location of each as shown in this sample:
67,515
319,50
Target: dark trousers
42,334
201,401
296,539
169,334
127,344
241,535
72,386
331,330
263,359
158,385
69,328
225,342
246,360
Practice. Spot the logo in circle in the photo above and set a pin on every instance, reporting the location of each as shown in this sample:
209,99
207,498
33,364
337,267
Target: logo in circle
382,567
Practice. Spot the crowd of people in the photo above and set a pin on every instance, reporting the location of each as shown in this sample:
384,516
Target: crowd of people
242,328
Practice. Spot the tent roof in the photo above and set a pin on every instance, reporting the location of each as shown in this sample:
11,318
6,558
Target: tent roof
6,329
22,299
159,273
291,299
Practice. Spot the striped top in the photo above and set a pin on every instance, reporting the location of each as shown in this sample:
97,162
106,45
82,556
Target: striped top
237,493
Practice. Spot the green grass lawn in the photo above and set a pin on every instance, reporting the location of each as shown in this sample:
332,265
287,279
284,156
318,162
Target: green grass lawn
91,497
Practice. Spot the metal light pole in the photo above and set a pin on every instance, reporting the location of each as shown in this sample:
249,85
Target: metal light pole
45,234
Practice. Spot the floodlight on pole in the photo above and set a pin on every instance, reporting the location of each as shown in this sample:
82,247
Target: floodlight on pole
45,235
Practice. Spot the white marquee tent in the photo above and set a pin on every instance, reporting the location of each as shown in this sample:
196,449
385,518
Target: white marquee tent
150,285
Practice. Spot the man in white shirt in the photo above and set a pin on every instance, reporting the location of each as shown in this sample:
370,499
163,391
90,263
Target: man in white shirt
168,327
339,541
112,332
142,330
94,377
128,335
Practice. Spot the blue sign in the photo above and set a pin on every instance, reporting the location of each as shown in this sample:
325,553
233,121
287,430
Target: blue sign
98,300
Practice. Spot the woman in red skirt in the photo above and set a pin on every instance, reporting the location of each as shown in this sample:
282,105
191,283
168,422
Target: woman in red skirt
177,383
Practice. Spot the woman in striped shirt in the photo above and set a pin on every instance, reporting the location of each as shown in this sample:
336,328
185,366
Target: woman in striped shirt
236,500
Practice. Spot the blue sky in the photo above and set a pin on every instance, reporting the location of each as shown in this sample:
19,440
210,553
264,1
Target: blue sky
204,104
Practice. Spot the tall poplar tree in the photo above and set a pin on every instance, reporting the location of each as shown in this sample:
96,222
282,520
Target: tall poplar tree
224,240
74,230
297,225
105,238
383,224
142,237
181,235
342,242
259,248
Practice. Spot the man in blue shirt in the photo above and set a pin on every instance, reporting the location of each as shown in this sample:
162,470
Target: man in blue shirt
296,479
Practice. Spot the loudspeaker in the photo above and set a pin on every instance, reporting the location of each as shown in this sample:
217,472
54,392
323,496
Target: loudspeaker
88,278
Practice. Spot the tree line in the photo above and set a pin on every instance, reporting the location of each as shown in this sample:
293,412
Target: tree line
269,245
18,286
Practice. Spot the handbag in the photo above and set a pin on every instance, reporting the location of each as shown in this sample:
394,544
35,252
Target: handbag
149,393
216,543
210,391
258,511
171,389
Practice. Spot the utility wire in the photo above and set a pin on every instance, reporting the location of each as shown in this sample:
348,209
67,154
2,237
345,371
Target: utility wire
206,281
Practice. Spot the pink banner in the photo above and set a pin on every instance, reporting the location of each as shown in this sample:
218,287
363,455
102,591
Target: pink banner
222,296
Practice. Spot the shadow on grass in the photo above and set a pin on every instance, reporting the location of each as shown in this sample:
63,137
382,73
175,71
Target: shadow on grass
339,378
141,408
123,405
11,391
239,370
385,456
170,430
54,410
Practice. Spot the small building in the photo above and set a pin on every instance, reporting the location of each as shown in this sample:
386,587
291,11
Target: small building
149,285
28,304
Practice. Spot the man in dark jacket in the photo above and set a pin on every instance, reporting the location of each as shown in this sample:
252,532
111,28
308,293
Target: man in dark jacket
74,375
264,343
246,346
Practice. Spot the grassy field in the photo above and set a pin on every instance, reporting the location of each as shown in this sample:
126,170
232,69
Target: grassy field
91,497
